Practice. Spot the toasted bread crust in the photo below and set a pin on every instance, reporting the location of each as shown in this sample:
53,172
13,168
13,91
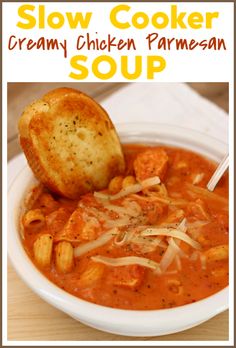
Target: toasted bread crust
70,143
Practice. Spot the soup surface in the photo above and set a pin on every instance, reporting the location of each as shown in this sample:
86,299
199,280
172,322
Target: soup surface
155,238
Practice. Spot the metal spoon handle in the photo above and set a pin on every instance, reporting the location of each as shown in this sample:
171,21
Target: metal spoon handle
218,173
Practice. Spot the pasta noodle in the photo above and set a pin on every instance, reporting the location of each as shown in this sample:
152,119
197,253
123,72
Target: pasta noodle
34,216
115,184
64,257
43,250
128,181
48,201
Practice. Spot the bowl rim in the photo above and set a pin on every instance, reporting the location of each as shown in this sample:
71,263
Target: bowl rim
183,316
172,127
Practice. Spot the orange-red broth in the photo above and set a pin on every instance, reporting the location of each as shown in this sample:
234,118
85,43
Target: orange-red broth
153,291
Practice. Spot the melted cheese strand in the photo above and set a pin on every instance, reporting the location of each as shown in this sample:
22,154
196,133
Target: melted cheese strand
103,239
173,251
126,261
176,247
183,225
168,257
151,182
124,192
163,199
146,244
171,233
130,189
207,194
116,223
130,209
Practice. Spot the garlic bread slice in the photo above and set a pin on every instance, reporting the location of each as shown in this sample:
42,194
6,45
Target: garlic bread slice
70,143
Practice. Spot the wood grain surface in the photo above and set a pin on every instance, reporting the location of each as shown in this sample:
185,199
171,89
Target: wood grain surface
29,317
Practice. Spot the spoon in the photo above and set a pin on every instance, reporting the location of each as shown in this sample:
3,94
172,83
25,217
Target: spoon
218,173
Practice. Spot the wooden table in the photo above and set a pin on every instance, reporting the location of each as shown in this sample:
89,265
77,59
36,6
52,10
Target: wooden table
29,317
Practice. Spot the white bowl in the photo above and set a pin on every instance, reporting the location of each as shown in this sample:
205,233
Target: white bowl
123,322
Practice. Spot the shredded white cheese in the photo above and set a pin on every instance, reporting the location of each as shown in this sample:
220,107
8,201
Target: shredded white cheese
176,246
183,225
126,261
103,239
130,189
169,232
167,258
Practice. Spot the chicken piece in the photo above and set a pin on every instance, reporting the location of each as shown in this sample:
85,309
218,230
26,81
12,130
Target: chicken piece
47,203
91,275
153,211
70,143
149,163
56,221
129,277
79,228
217,253
73,229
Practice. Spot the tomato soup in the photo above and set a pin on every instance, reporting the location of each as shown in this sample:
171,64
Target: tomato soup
155,238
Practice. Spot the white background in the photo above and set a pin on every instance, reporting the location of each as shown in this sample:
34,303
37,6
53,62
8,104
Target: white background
195,65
